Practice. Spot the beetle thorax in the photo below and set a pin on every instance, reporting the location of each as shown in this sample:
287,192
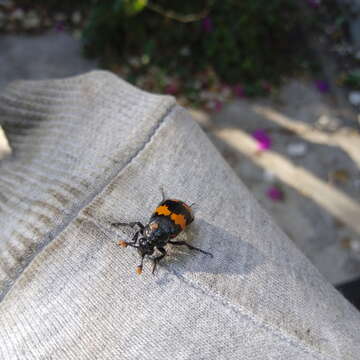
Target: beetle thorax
151,229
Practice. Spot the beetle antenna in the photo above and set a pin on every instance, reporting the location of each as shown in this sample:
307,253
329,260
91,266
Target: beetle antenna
162,193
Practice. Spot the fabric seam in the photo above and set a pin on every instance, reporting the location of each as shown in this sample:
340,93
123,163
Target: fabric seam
68,219
237,309
216,297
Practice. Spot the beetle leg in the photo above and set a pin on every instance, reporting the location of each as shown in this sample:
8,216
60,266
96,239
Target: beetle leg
131,224
140,267
189,246
135,238
158,258
133,241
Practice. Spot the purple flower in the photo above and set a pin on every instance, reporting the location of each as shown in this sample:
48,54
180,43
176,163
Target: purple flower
266,86
207,24
59,26
275,194
322,86
217,105
171,89
314,3
262,138
239,91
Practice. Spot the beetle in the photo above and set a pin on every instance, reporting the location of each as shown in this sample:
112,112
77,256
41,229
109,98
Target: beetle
168,220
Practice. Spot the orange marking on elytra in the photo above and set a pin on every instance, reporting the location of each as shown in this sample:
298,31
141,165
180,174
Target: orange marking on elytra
179,220
163,210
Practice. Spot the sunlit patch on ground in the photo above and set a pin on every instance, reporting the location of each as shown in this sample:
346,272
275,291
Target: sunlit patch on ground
308,174
4,145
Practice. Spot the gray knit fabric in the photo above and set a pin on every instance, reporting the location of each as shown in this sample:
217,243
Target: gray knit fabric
92,149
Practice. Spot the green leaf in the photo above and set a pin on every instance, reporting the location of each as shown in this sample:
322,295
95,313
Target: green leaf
353,79
133,7
149,47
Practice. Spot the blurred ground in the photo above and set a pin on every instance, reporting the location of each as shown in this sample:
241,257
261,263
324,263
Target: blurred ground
314,159
53,55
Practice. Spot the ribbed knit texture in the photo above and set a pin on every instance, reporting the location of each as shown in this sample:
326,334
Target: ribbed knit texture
56,129
80,298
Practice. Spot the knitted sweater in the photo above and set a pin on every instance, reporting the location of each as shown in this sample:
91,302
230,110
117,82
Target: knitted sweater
91,150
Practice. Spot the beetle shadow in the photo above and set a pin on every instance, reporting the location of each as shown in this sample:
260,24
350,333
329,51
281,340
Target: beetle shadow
231,254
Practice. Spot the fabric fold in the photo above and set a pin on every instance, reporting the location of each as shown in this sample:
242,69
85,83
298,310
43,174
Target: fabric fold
80,297
69,137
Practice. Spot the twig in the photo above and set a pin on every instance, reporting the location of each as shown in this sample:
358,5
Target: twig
176,16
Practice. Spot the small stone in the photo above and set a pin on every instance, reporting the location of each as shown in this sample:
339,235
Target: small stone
207,95
340,175
326,122
297,149
355,245
338,223
17,15
345,243
269,176
354,98
77,34
76,17
214,105
31,20
197,84
134,62
185,51
60,17
225,92
343,49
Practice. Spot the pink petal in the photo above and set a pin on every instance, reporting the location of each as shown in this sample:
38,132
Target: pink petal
275,194
218,105
171,89
262,138
239,91
322,86
207,24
